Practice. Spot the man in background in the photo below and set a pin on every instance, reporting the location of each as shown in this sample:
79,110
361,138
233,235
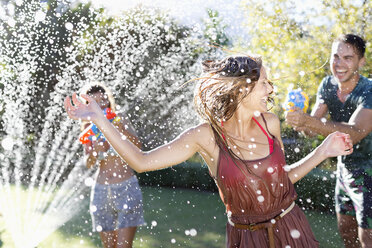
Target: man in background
347,97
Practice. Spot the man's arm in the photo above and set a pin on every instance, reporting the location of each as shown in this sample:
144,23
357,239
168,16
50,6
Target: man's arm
358,127
319,111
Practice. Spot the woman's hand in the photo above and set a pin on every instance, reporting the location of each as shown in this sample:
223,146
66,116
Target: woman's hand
337,144
82,111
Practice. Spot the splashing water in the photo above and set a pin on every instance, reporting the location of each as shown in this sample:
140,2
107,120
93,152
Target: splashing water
49,52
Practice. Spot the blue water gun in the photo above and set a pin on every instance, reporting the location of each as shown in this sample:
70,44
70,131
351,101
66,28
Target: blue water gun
92,132
296,99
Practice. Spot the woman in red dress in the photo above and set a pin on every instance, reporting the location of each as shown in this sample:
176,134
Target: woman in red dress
241,144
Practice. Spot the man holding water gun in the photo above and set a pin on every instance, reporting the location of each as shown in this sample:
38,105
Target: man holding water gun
347,96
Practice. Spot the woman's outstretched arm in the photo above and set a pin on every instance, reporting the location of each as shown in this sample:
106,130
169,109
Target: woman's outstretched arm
334,145
175,152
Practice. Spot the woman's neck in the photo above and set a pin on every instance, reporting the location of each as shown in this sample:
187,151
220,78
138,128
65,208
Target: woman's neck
240,123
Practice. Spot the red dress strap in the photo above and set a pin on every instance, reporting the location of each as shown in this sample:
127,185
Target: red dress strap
223,136
271,141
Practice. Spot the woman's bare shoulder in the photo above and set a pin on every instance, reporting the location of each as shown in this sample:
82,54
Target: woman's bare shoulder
202,129
273,122
201,133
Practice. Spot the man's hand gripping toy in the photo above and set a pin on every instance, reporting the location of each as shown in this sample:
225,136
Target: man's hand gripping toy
296,100
92,132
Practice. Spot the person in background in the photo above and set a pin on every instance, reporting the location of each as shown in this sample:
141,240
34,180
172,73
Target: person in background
347,97
116,200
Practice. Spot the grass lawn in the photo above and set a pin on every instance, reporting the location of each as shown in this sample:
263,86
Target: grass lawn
175,218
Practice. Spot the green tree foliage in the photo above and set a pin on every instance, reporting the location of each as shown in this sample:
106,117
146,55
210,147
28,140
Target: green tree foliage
48,42
34,36
50,49
214,31
295,44
145,57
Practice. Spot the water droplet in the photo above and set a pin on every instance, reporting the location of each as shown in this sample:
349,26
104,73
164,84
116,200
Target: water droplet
11,22
295,234
39,16
193,232
69,26
93,208
7,143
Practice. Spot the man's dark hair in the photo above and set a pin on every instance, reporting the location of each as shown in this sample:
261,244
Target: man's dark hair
357,42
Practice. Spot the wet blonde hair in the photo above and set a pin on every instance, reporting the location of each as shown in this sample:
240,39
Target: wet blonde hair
223,85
